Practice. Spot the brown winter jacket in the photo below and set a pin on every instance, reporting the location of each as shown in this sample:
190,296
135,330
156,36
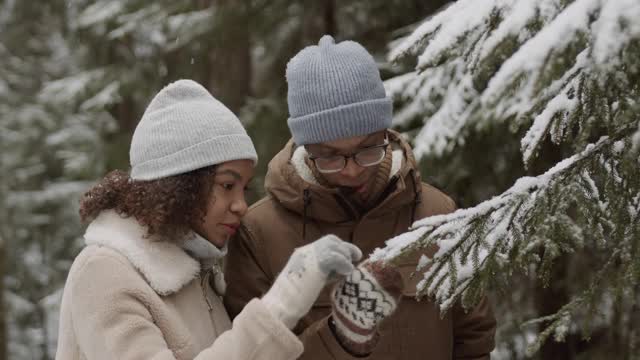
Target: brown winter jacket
130,297
298,211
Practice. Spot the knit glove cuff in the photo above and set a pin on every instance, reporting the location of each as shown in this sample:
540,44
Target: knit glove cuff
295,289
361,301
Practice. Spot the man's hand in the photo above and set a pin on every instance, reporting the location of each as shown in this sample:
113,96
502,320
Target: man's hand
360,302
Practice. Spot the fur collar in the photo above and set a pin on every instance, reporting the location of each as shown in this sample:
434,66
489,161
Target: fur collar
165,265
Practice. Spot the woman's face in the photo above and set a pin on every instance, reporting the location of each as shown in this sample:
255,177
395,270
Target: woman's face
226,204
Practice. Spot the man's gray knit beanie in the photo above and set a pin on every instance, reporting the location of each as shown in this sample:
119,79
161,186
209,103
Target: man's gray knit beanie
183,129
335,92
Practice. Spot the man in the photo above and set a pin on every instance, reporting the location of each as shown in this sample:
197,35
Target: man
346,173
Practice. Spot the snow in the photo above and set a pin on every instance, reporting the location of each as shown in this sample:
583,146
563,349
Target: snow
67,89
401,87
450,23
18,304
4,89
545,89
619,146
6,11
634,208
51,305
423,262
447,232
516,16
442,132
472,16
635,140
53,192
561,103
444,96
616,25
394,246
593,192
446,123
108,95
33,259
419,91
442,285
532,55
522,103
141,21
153,26
185,27
611,170
23,341
99,12
179,21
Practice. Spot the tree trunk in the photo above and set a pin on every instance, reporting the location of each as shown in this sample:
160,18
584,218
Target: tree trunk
329,17
229,56
3,317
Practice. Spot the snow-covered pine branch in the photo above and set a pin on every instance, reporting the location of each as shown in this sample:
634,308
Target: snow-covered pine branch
585,201
547,62
504,226
552,70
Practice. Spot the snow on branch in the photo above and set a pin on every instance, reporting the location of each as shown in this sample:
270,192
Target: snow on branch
536,64
468,239
412,43
563,103
99,13
532,56
70,88
616,27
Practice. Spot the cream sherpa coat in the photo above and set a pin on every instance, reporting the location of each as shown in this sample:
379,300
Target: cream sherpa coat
127,297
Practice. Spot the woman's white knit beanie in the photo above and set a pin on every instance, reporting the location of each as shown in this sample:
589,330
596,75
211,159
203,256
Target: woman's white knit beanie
184,128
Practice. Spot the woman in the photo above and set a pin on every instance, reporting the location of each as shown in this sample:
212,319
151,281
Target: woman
149,281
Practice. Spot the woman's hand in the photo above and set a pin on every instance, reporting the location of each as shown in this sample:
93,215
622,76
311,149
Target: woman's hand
308,270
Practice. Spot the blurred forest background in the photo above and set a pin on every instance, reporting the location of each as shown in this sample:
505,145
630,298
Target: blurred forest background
75,77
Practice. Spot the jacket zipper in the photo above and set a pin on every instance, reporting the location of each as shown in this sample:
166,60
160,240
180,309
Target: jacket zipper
354,214
347,207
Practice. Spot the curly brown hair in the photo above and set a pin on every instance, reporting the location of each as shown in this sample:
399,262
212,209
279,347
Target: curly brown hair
168,207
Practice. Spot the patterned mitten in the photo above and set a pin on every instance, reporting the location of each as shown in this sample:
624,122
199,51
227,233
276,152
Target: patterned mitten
361,301
300,282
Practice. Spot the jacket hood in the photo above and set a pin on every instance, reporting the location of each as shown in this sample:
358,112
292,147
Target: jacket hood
164,265
290,182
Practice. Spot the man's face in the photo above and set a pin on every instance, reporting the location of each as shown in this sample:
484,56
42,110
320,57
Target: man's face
355,179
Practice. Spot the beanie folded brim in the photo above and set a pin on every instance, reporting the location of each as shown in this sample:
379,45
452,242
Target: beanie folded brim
212,151
345,121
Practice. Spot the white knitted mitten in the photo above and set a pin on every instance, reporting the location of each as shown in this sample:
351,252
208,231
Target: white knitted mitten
306,273
361,301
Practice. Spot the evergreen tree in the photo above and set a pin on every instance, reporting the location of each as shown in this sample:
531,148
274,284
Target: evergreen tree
75,76
49,151
559,80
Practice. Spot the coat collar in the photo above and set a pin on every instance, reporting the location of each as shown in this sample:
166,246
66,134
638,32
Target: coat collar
288,177
164,265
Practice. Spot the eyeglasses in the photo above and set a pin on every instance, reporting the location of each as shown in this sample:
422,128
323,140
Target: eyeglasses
369,156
